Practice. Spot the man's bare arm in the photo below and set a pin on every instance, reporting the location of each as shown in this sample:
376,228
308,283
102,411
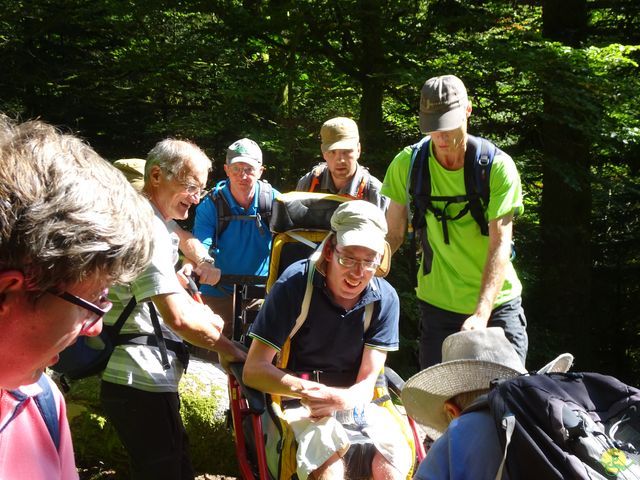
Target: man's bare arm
261,374
196,323
195,252
397,224
500,232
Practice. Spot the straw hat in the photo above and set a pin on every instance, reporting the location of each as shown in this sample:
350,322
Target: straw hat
471,359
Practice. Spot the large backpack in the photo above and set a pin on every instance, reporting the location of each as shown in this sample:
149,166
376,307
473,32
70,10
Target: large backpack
477,170
567,426
223,209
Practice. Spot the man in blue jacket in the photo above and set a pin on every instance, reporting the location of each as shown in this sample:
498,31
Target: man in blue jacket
232,221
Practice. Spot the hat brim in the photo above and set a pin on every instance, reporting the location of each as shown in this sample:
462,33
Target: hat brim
361,238
440,121
248,160
347,144
424,394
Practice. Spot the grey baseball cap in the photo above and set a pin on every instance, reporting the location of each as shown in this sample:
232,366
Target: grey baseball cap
245,150
443,104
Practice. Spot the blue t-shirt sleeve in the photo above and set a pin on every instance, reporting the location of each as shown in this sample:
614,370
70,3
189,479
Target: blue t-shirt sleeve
206,220
383,333
281,307
435,466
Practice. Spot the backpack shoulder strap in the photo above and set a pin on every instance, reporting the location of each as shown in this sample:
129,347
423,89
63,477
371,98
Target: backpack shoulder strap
419,196
46,403
114,331
265,200
368,315
477,170
508,424
159,337
316,176
223,211
365,183
306,300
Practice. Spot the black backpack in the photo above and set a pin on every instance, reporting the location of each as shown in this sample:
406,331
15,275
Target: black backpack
567,426
477,170
223,209
90,355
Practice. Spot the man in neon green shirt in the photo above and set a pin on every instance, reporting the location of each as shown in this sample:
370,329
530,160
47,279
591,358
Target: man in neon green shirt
468,282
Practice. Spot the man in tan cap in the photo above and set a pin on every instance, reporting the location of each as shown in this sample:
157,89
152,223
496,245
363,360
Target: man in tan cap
468,448
340,172
464,193
335,352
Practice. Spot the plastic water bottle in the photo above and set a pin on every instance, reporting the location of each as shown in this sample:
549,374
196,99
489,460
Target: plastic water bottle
352,416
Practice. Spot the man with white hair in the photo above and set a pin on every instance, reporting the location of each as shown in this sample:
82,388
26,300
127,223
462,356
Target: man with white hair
139,390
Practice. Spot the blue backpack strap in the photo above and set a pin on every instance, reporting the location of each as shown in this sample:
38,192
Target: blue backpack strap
419,194
46,403
477,170
225,215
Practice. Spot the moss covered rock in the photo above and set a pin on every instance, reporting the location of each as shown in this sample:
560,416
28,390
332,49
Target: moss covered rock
203,392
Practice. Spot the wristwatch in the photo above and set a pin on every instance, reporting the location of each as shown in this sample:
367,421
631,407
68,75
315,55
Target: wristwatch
207,259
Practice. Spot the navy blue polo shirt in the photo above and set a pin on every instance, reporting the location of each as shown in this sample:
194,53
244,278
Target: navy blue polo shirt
331,339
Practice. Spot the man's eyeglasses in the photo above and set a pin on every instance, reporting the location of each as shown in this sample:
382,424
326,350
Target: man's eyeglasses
97,312
194,190
348,262
238,170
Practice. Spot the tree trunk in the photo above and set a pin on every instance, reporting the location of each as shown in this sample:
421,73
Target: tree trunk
372,65
566,196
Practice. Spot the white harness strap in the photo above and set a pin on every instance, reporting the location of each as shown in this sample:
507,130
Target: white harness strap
308,292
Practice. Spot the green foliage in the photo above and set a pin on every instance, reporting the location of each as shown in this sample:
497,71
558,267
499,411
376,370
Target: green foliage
125,74
99,453
210,439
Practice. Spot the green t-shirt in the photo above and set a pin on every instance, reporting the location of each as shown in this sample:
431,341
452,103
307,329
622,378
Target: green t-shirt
456,272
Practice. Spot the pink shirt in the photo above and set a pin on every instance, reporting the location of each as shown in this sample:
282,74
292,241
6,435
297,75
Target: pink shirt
26,448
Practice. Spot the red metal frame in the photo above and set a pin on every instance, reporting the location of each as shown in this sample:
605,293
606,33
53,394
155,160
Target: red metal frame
239,411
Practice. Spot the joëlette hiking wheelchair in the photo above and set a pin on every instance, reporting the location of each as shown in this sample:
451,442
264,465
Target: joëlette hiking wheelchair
300,223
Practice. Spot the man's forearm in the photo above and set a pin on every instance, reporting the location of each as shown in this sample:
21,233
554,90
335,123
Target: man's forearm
194,322
191,247
495,267
264,376
397,225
